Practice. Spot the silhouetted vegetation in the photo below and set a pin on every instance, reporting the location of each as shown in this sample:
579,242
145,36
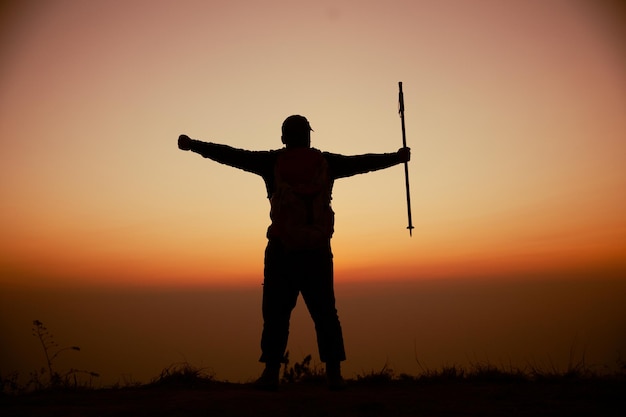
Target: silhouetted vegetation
183,374
302,371
48,377
52,350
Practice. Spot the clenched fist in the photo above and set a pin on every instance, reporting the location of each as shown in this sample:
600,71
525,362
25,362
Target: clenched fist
184,142
404,154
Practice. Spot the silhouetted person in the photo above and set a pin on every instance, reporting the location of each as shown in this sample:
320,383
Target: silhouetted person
298,257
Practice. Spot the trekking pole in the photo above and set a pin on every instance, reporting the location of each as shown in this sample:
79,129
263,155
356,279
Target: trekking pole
406,164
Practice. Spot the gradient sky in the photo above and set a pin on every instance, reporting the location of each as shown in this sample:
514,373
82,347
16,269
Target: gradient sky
514,112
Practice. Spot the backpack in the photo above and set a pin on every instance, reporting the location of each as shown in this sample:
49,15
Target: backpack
301,215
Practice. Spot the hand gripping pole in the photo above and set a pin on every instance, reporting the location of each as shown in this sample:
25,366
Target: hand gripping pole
406,164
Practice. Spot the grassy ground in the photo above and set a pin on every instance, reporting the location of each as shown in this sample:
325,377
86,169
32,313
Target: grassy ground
483,391
394,398
184,390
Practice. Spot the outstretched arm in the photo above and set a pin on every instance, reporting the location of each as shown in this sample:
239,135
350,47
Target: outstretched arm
346,166
251,161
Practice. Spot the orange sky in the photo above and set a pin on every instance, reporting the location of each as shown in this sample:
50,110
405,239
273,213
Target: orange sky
514,111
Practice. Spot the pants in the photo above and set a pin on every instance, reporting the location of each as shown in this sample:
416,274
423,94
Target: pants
288,274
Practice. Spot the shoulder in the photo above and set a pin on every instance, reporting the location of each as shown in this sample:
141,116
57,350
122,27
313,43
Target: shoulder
333,158
330,155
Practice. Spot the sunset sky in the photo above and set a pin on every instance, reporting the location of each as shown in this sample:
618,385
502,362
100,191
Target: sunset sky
515,114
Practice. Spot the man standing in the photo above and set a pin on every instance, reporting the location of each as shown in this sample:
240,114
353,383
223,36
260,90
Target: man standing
298,257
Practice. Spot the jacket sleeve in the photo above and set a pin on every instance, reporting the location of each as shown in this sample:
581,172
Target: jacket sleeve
257,162
345,166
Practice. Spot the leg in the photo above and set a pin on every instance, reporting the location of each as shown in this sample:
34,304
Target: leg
280,294
319,296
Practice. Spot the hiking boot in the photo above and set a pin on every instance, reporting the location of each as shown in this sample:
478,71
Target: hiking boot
268,381
336,383
333,377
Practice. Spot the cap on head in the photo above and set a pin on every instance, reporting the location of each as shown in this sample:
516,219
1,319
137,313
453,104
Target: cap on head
296,131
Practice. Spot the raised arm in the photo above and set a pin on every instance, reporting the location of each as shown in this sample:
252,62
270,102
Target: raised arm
345,166
257,162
